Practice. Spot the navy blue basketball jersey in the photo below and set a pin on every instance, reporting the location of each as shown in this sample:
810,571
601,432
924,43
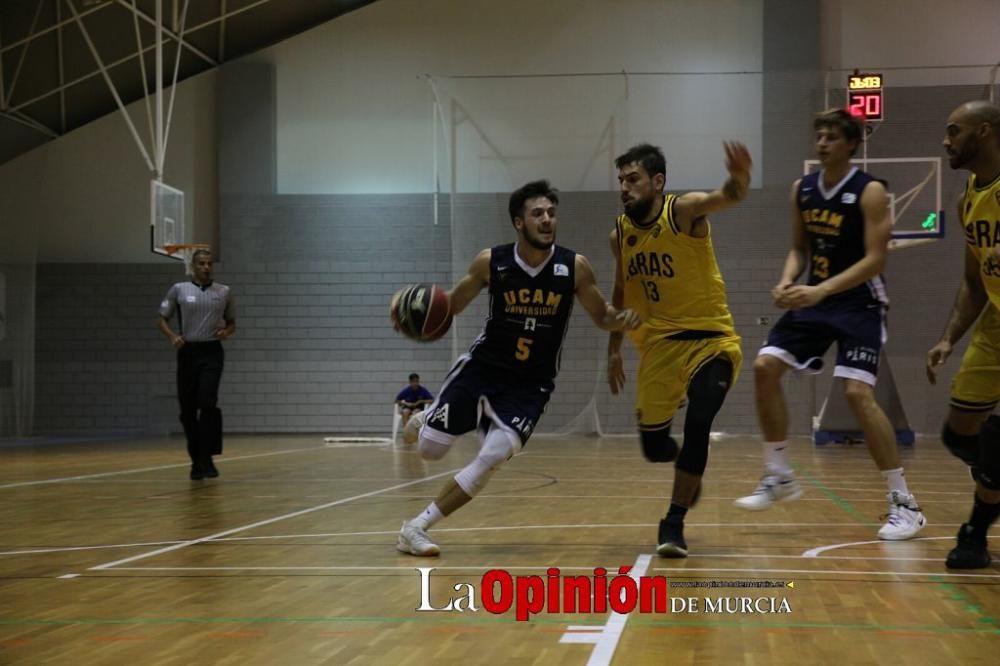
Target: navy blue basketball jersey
529,313
835,229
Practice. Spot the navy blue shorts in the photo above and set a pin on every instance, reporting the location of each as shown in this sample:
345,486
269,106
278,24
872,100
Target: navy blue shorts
801,337
476,395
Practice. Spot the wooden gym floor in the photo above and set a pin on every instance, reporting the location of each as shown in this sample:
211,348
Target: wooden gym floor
109,555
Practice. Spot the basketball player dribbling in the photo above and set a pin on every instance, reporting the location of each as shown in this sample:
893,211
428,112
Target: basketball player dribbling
501,385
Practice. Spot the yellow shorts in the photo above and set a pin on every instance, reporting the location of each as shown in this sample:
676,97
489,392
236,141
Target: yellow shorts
976,387
666,367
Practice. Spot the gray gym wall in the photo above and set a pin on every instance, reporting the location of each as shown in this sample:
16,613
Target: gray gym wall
313,275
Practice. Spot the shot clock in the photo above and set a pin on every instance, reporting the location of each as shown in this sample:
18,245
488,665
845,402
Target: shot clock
864,96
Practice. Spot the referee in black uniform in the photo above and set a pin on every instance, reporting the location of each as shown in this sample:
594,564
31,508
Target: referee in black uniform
206,315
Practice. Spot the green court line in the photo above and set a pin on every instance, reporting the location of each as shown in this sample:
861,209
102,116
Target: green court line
975,609
635,620
955,592
839,501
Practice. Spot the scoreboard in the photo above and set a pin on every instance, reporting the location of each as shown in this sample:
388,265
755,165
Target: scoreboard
864,96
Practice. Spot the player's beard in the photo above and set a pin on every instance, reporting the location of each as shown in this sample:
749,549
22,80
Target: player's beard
638,210
963,157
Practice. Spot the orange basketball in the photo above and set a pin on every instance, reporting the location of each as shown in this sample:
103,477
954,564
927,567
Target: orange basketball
421,312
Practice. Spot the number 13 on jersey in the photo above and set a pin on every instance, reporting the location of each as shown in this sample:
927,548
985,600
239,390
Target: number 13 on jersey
652,294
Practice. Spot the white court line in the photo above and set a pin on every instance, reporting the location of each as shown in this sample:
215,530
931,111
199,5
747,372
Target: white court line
605,639
879,493
64,549
261,523
880,499
102,475
963,481
410,568
833,572
319,535
483,567
494,528
815,552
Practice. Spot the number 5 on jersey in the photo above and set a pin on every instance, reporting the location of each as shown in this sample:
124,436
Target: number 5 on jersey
523,349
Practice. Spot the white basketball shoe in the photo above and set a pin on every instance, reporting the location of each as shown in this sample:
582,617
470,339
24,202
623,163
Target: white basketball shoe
904,519
414,541
772,488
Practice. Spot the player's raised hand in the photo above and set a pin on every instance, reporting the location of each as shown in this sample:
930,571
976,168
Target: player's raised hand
393,302
938,354
738,164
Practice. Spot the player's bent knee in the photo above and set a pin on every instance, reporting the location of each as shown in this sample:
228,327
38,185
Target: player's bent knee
963,447
693,457
858,393
658,446
989,454
497,448
433,445
767,371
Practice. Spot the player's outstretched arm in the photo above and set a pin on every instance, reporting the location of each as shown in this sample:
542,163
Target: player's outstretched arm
605,315
969,304
693,207
466,289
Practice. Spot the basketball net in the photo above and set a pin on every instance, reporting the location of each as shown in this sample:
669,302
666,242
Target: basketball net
186,252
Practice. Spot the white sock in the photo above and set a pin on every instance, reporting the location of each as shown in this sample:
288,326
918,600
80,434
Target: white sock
776,459
894,478
428,517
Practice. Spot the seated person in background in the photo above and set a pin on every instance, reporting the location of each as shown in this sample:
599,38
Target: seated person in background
413,398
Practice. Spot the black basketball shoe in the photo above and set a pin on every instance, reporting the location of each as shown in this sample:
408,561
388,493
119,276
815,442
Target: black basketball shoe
971,551
670,539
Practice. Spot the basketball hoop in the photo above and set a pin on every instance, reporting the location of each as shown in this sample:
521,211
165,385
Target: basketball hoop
186,251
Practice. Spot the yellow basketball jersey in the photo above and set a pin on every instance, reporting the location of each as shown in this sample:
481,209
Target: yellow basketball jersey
981,219
671,279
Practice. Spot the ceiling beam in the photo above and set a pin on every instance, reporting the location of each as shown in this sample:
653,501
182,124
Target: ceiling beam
61,57
16,112
28,121
145,79
222,32
24,54
110,83
223,16
81,79
2,95
56,26
169,33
